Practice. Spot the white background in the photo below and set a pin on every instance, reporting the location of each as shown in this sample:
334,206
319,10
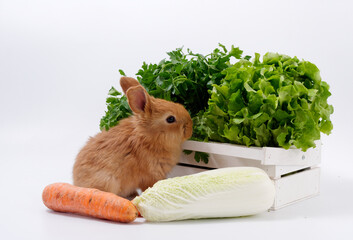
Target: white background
58,59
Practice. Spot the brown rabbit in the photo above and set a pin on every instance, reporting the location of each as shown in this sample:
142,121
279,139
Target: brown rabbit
137,152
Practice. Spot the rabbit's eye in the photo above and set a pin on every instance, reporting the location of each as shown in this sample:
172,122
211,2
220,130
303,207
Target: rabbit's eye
170,119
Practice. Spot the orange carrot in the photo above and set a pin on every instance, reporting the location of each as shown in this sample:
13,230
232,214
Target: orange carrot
64,197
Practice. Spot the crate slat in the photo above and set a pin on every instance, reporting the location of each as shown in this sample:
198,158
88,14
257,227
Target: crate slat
266,155
255,153
221,161
296,187
280,156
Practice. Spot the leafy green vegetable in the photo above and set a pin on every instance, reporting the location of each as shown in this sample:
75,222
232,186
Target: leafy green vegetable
185,78
122,73
279,101
199,156
117,109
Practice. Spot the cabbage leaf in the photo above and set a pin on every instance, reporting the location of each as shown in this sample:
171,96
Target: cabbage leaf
225,192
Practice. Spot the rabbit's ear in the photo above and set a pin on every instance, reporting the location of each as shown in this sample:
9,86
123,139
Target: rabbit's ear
138,99
128,82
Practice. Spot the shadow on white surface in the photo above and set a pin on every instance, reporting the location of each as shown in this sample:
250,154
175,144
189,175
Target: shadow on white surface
91,219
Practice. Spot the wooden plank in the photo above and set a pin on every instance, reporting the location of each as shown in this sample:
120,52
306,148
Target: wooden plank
293,156
255,153
266,155
220,161
296,187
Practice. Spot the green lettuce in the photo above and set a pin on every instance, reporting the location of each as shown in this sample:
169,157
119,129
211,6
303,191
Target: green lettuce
278,102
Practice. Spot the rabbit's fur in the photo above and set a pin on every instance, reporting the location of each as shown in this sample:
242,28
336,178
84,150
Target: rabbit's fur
137,152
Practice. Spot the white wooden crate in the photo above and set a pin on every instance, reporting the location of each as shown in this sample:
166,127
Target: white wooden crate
296,174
